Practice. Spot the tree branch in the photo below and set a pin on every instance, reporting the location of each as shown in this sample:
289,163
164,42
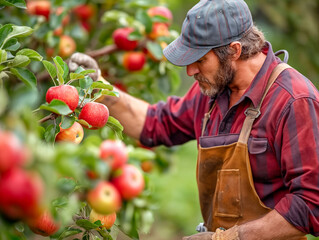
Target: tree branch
102,51
52,116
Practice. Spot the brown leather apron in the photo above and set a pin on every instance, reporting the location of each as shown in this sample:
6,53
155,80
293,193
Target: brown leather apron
224,178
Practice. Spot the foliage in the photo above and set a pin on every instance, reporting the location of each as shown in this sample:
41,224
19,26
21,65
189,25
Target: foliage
29,65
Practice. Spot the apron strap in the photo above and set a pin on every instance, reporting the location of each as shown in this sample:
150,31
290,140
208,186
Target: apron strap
253,113
206,117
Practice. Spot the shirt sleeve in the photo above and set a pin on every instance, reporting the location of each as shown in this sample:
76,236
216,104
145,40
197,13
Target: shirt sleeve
298,136
171,122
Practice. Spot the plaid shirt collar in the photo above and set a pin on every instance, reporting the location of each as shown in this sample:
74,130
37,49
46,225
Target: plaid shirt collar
258,85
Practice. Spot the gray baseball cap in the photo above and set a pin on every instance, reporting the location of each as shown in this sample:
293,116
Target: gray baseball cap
209,24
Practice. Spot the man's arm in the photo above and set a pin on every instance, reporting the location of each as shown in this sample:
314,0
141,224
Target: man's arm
271,226
130,111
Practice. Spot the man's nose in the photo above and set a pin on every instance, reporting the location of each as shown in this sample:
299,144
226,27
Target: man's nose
192,69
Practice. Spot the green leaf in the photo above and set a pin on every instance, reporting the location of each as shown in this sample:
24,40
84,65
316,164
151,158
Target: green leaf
17,31
20,61
12,45
155,49
4,32
76,76
115,125
50,68
60,202
84,123
50,133
86,82
26,76
60,70
56,106
135,35
66,185
3,56
145,19
67,122
30,54
69,232
64,67
110,93
86,224
101,85
85,72
15,3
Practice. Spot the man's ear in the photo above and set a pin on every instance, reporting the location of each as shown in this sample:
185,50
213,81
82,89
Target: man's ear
236,49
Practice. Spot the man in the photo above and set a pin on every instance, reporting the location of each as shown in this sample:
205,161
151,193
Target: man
255,120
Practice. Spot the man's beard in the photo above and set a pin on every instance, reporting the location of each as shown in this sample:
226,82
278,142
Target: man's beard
224,76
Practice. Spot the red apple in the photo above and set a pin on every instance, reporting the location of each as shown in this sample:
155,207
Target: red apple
161,11
21,194
95,114
67,46
106,220
114,152
12,152
84,11
44,224
65,93
121,39
73,134
134,61
129,181
104,198
40,8
158,30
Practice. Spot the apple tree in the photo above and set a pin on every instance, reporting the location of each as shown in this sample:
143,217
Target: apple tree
66,170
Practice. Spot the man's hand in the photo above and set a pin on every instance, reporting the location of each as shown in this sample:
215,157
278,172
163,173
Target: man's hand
200,236
85,61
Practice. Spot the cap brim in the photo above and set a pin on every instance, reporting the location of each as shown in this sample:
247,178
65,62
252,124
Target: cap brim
180,55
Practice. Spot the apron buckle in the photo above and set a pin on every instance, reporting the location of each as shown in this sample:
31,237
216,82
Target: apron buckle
201,228
252,112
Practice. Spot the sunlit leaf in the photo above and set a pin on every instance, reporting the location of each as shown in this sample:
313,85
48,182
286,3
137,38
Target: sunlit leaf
56,106
17,31
20,61
102,85
3,56
30,53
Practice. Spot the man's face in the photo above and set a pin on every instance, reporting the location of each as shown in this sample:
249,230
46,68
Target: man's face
212,75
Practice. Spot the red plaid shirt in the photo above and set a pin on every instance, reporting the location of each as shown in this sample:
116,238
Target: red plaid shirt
285,157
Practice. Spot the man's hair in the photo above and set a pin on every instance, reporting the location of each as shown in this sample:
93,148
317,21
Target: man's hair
252,42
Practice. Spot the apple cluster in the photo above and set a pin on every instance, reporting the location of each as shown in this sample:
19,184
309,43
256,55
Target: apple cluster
82,13
126,182
136,52
93,115
22,190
